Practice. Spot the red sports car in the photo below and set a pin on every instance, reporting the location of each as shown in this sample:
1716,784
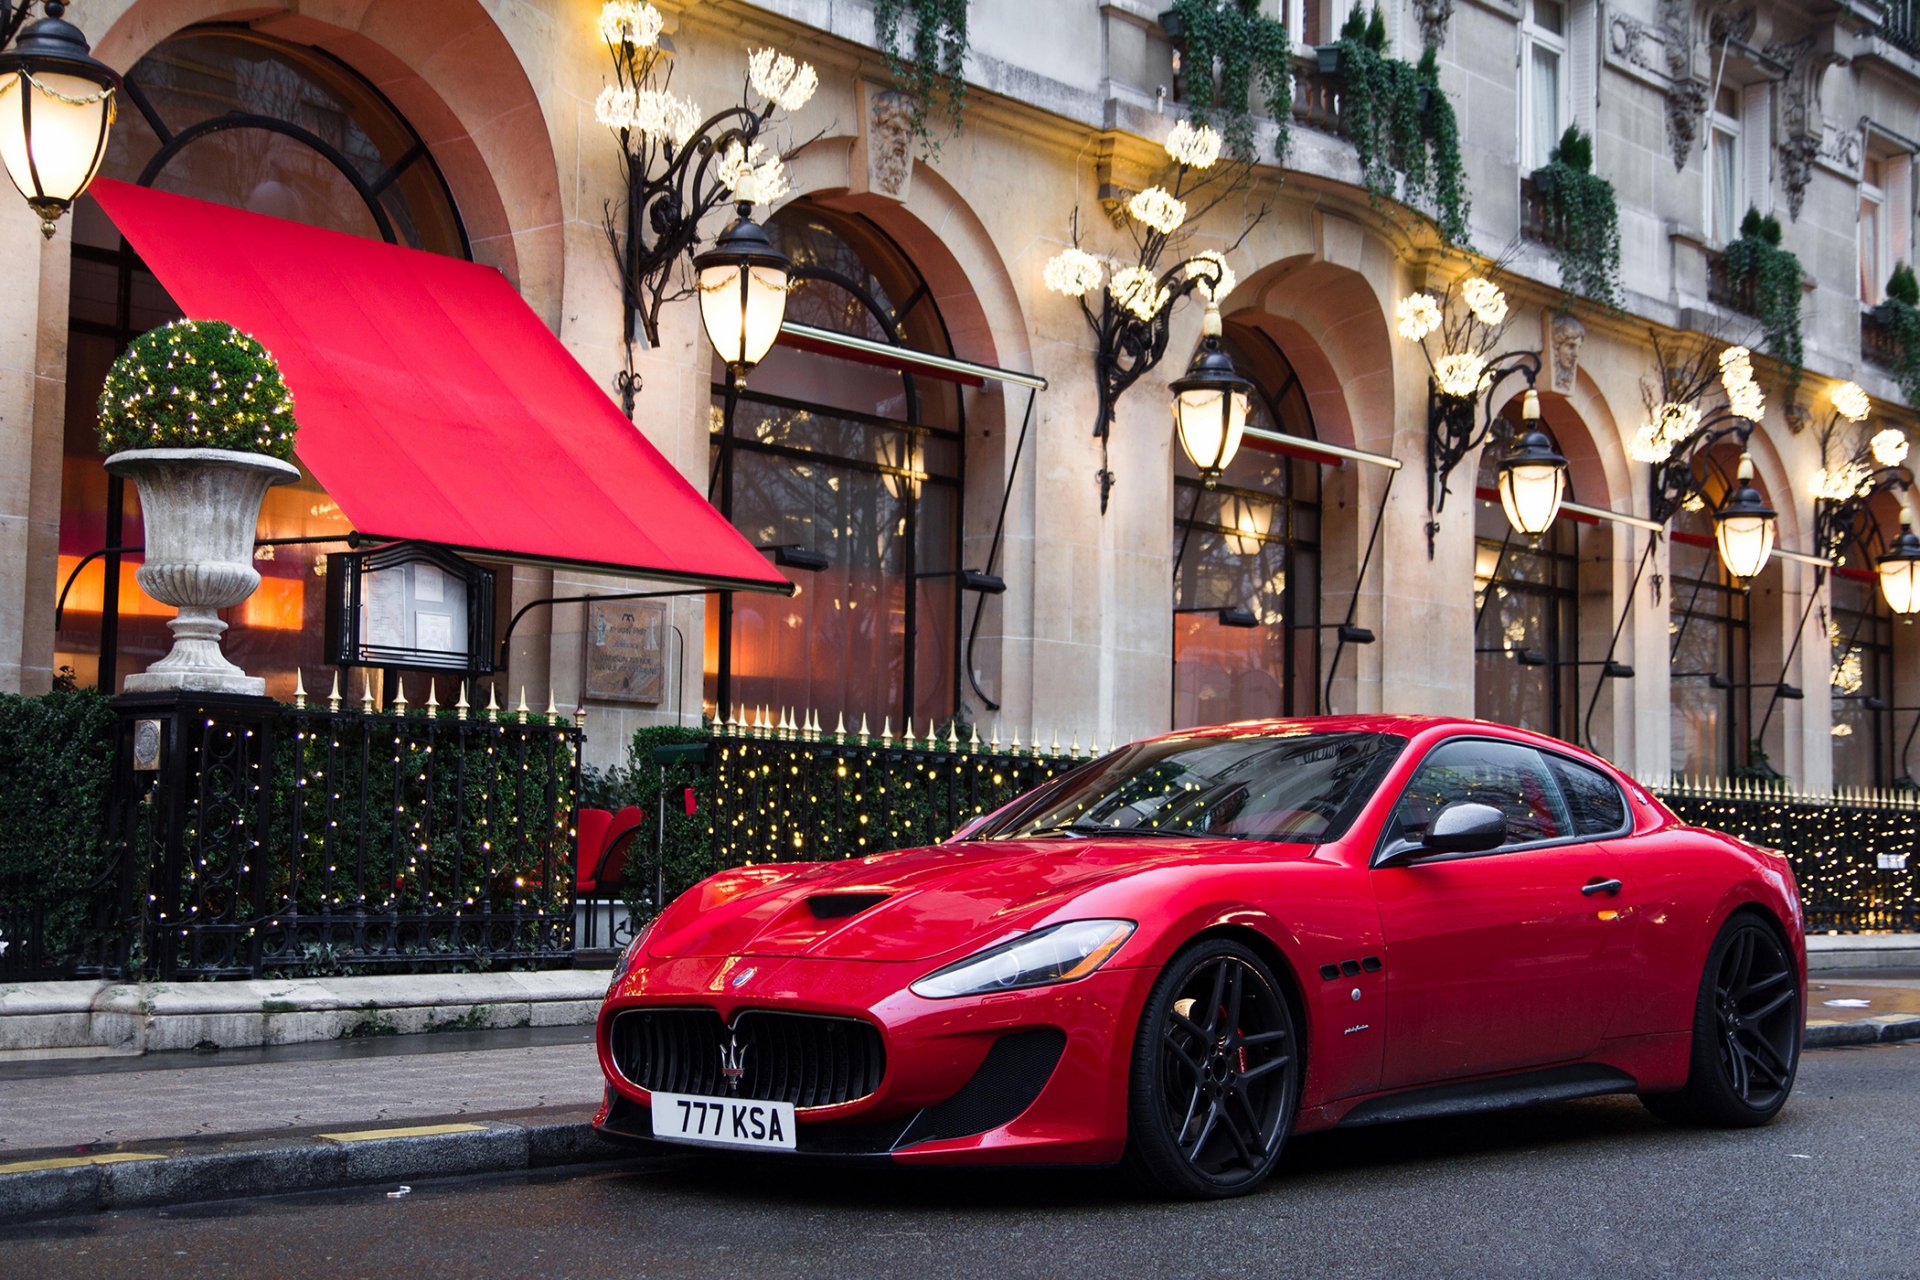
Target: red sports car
1179,954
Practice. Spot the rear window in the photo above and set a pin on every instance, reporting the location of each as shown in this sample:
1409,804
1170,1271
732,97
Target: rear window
1593,801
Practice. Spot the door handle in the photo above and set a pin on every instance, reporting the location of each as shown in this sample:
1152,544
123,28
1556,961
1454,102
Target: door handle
1592,887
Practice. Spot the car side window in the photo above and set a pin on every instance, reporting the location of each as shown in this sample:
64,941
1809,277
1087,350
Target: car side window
1506,775
1593,799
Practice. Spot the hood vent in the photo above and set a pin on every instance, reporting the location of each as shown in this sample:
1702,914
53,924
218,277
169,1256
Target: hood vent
839,906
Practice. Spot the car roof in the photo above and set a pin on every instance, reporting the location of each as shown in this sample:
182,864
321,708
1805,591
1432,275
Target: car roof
1406,725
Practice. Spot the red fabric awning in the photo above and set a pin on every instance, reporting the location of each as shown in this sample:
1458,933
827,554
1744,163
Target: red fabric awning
433,403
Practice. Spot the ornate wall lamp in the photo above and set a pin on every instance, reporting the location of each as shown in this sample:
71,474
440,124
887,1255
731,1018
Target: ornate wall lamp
1131,323
1856,463
1676,441
1460,398
677,167
57,102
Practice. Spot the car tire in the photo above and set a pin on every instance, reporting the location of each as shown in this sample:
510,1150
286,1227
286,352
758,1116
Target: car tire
1215,1075
1746,1032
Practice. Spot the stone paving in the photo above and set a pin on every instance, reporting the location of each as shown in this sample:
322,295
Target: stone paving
181,1099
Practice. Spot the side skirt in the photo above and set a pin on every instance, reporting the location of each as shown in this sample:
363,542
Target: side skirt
1551,1084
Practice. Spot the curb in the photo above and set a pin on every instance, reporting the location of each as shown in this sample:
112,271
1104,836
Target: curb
248,1167
1884,1029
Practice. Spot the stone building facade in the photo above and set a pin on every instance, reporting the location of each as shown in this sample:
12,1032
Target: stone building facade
478,117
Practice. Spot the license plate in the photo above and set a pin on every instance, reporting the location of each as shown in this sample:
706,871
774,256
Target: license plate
723,1122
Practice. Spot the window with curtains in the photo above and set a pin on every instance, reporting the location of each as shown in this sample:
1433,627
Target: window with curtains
1543,69
1252,543
1526,618
223,114
1726,184
1872,231
1708,653
859,463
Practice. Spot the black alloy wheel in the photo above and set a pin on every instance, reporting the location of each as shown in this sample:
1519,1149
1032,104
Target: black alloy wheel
1215,1075
1746,1032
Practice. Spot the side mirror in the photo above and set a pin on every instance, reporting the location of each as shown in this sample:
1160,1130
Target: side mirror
1466,826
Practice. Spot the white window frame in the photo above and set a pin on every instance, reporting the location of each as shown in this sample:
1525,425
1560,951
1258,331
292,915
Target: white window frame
1731,126
1873,283
1534,151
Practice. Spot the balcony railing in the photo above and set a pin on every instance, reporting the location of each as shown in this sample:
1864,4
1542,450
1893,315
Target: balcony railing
1316,97
1723,290
1877,345
1541,220
1902,26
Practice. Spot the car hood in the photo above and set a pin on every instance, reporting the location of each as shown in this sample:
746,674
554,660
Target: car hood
918,903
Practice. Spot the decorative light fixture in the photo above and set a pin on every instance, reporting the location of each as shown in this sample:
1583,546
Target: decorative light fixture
1856,463
1682,427
1743,526
1210,402
1533,476
1458,342
742,281
1130,323
57,102
1900,570
678,166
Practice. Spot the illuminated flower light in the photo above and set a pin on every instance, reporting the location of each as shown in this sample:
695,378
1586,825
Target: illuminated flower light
1746,401
614,107
631,22
780,79
1138,290
1656,439
752,174
1219,261
1074,273
1417,315
1484,299
662,115
1461,375
1839,484
1850,401
1159,209
1736,367
1889,447
1195,146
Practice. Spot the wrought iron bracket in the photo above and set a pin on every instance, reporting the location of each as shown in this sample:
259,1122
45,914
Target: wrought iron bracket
1457,425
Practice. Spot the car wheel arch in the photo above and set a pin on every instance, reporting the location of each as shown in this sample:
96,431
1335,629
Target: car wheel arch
1284,970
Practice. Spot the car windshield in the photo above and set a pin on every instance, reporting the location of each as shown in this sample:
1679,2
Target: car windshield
1301,787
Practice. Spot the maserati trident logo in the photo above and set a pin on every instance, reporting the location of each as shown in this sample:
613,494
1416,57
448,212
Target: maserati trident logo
733,1057
740,978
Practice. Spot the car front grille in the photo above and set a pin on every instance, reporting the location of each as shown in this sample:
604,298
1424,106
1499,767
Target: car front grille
810,1060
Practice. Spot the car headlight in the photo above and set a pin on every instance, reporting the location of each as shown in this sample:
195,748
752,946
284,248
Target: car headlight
634,947
1058,953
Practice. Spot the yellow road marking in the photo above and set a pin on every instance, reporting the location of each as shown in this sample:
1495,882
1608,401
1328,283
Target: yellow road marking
416,1131
74,1162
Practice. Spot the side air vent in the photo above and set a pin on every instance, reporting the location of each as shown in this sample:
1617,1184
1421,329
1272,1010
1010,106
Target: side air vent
838,906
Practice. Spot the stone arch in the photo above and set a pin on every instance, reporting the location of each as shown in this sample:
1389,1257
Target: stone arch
449,68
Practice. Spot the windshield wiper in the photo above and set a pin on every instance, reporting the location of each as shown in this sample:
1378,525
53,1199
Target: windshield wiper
1089,829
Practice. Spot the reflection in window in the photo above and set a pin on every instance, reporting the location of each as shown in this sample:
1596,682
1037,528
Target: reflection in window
1708,654
1526,611
1860,631
1252,543
270,127
855,462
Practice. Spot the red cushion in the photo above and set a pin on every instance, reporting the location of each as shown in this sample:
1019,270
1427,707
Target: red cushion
628,829
590,841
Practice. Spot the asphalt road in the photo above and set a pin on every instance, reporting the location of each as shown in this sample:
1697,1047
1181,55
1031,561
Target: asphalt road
1595,1188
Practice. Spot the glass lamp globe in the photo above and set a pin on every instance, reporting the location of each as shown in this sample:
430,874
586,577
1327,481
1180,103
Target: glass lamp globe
1210,402
1900,570
742,282
1743,527
1533,477
56,106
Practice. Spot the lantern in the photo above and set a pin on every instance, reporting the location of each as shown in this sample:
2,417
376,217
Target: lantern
1743,526
1533,477
1210,402
1900,570
742,281
56,105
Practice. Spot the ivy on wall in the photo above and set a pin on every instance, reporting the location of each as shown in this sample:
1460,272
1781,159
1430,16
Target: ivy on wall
1899,314
1757,261
1229,49
1586,240
1401,124
56,752
931,70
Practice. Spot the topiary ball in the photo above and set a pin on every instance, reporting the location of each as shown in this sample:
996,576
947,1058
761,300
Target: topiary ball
197,384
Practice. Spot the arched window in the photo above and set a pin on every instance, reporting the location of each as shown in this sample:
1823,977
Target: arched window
1249,545
1710,629
1526,615
228,115
858,463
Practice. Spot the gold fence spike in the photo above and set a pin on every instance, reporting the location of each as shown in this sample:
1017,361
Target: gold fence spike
366,692
433,702
399,695
333,697
840,727
493,701
461,707
299,690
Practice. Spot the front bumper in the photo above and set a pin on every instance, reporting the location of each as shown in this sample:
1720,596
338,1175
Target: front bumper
1035,1076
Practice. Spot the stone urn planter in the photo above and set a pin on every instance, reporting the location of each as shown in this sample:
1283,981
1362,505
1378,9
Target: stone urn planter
201,508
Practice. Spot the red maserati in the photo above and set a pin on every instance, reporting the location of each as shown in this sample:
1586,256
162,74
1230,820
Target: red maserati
1179,954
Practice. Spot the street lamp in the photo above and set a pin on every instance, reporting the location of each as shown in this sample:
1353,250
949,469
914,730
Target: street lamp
743,293
1900,570
1210,402
1743,525
1533,477
56,105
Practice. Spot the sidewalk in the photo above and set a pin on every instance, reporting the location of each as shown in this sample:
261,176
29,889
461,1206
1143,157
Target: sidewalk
108,1132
